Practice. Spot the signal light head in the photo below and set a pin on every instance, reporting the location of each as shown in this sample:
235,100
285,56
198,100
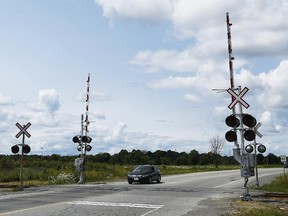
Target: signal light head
26,149
15,149
249,135
86,139
231,136
88,148
232,121
249,120
261,148
249,148
79,147
76,139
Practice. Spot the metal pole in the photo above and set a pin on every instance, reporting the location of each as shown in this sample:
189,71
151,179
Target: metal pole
22,161
241,125
243,152
81,179
87,122
256,167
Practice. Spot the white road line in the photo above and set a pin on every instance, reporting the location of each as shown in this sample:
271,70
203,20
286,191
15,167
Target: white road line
11,196
29,209
131,205
233,182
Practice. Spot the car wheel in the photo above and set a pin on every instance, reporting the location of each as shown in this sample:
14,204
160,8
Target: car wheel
130,182
159,179
150,180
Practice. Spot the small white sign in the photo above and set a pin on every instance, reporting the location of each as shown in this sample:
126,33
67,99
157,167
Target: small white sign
283,158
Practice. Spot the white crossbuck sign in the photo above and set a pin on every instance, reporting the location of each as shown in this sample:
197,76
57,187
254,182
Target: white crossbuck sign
238,98
23,130
256,129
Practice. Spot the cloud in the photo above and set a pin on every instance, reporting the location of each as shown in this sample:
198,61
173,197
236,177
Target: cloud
117,139
166,60
173,83
274,85
94,96
192,98
5,100
118,134
144,11
43,112
48,101
197,58
191,18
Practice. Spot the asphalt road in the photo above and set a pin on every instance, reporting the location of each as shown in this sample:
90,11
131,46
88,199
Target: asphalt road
175,195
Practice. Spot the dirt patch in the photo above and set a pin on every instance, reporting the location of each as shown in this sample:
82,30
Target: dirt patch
230,206
213,207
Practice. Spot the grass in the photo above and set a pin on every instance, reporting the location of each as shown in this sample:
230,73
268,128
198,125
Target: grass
268,208
280,184
255,208
174,170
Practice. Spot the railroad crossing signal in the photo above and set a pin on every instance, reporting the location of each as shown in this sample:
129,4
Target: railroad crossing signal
238,98
250,122
15,148
234,122
82,139
25,148
23,130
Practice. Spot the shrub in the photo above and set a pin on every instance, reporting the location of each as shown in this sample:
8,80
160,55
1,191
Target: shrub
62,178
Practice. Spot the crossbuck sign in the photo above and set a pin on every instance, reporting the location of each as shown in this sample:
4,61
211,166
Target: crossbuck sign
23,130
238,98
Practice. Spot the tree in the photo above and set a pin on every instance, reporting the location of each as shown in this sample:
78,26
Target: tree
193,157
216,145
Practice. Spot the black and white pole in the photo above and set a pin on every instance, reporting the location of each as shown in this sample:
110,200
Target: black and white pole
83,140
238,153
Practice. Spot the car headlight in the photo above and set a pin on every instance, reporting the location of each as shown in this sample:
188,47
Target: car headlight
145,175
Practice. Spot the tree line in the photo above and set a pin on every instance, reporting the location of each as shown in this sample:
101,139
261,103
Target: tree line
170,157
133,157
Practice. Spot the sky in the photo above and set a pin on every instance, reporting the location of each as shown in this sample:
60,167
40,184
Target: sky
153,65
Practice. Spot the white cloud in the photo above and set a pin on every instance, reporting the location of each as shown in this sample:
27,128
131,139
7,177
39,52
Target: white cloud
191,97
5,100
274,85
190,18
265,117
147,11
174,82
48,101
94,96
166,60
118,134
43,112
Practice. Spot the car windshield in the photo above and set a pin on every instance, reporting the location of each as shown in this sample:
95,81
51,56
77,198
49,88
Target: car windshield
142,169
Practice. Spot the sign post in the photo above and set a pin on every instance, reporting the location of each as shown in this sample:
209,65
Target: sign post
23,131
284,160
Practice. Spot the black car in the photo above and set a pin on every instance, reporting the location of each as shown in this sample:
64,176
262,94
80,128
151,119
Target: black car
144,174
